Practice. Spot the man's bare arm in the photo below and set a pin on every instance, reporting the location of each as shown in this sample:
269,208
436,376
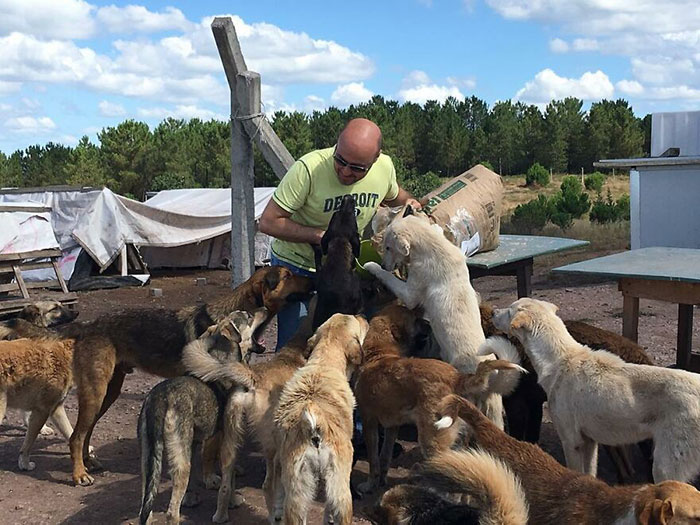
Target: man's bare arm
403,198
275,221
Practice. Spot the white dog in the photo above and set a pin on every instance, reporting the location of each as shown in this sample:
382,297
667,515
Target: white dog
595,397
438,280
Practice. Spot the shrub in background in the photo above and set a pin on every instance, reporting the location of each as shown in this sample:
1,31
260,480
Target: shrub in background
594,181
570,203
420,185
531,216
607,210
537,174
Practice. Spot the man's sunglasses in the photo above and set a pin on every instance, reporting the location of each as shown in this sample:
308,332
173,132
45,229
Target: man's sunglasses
353,167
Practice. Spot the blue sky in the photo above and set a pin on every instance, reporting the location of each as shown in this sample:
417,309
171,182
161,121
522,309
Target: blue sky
68,68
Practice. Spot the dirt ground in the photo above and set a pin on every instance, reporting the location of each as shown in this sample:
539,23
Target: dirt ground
47,494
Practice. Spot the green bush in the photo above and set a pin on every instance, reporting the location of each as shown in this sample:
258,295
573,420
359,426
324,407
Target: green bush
570,203
172,181
537,174
594,181
532,215
607,210
420,185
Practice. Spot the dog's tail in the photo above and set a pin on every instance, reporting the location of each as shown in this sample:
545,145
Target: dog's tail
203,365
310,425
504,381
485,379
150,435
499,493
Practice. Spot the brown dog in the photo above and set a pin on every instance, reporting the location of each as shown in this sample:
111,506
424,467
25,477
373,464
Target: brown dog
152,341
392,390
559,495
33,320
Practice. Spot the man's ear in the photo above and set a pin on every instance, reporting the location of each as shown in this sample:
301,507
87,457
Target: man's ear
522,319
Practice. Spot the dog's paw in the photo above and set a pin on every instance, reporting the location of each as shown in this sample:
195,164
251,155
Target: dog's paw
367,487
91,463
237,500
83,480
220,517
373,268
91,452
212,481
191,499
46,431
25,464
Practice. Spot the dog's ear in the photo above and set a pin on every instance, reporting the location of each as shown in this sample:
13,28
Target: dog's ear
408,211
231,332
551,307
32,314
657,512
402,245
521,319
272,279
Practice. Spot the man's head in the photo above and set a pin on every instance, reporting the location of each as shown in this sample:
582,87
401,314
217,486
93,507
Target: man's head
358,148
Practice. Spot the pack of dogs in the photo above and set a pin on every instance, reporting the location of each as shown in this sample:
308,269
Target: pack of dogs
423,351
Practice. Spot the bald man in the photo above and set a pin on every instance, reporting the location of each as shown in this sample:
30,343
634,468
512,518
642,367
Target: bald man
313,188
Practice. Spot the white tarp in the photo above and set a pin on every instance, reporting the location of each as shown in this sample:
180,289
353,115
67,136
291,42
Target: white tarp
26,230
102,222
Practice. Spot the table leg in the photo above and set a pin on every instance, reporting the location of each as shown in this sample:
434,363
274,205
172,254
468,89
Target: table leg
524,277
685,335
630,317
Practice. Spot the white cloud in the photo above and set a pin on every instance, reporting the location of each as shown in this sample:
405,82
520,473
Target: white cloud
465,82
180,112
547,86
110,109
352,93
314,103
585,44
665,70
557,45
6,88
629,87
417,87
138,19
66,19
27,124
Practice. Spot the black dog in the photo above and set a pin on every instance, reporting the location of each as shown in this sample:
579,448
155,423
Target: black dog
337,284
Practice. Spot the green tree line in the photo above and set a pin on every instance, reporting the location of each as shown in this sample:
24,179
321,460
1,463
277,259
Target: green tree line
426,142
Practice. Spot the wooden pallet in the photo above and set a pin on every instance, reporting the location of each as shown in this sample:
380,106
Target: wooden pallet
12,264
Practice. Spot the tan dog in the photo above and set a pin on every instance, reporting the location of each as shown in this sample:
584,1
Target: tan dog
595,397
35,375
256,392
152,341
497,494
392,390
438,280
314,426
559,495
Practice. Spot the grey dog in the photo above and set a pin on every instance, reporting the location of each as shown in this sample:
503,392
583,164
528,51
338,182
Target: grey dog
183,410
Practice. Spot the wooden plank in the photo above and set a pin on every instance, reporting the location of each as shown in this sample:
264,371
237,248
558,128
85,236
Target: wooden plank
630,317
273,149
229,49
242,180
685,335
9,287
669,291
123,262
15,305
49,283
34,265
59,276
20,282
29,255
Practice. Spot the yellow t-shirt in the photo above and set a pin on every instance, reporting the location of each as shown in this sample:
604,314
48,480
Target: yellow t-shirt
311,192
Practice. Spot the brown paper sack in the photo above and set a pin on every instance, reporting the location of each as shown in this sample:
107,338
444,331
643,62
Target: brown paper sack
468,207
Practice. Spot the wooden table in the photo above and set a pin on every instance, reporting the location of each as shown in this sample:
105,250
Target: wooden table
515,255
658,273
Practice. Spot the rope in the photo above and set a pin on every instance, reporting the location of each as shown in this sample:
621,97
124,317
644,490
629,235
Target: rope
252,116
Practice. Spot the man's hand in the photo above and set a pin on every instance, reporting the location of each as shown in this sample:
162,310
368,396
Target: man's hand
413,203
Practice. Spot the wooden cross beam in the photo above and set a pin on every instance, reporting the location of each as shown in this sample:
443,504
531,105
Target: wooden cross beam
248,125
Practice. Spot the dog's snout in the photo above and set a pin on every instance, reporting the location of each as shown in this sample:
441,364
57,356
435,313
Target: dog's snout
316,441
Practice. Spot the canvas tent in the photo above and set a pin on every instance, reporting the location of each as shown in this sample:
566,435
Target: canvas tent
176,228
